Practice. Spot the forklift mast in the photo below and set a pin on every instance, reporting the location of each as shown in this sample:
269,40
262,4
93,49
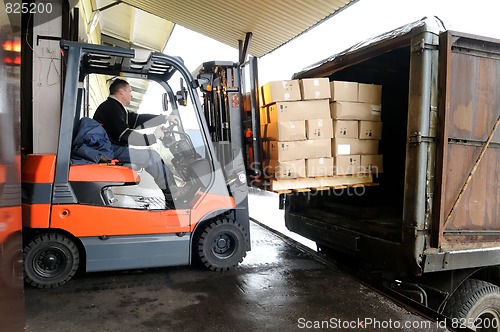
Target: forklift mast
230,106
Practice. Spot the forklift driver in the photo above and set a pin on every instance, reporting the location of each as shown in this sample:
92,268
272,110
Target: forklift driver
120,124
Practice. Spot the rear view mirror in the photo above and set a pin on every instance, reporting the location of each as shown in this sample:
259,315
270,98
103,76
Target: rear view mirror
204,82
181,95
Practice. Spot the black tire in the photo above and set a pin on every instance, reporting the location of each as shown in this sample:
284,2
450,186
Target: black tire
50,260
478,302
221,245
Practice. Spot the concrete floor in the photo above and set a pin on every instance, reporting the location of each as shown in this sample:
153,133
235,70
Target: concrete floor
277,288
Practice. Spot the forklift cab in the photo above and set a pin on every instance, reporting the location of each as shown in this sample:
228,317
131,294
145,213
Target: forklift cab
101,217
119,185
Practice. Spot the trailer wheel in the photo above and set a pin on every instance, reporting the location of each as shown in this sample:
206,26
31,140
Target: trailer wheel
476,305
221,245
50,260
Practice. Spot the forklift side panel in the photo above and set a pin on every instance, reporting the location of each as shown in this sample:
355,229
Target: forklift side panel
132,252
37,176
37,168
36,215
87,220
208,205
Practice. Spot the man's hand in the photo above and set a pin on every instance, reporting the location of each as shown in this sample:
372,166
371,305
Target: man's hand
173,119
159,132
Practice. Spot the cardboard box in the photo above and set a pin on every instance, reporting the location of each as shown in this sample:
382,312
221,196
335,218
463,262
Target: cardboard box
319,128
298,110
370,93
319,167
345,129
355,111
315,88
368,146
275,91
247,101
370,130
284,131
343,91
345,146
308,149
284,151
316,148
349,164
353,146
266,147
285,169
263,132
263,115
372,164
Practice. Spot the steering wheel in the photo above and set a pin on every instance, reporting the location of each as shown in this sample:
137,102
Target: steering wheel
169,137
169,128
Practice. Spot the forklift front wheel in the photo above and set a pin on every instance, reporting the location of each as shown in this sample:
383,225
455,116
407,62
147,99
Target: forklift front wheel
221,246
50,260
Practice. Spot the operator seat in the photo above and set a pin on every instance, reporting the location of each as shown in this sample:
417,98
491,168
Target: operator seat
103,173
87,175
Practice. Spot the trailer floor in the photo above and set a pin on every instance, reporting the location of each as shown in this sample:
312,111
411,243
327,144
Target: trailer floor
277,288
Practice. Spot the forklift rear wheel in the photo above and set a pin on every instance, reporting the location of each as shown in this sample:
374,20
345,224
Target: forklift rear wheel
50,260
221,245
475,305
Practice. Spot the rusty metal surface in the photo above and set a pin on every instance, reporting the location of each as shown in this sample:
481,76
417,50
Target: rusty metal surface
468,181
475,87
480,206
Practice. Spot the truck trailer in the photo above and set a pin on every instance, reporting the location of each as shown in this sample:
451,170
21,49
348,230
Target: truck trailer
431,227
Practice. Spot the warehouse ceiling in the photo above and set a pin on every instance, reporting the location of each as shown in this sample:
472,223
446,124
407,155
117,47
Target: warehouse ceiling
126,26
272,23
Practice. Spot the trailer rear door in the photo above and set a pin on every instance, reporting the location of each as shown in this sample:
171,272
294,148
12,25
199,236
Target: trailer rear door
467,193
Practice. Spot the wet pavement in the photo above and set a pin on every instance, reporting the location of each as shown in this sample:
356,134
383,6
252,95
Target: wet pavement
278,287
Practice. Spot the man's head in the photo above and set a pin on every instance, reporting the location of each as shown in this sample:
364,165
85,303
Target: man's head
121,90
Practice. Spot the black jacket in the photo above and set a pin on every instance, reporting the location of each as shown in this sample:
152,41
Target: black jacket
91,143
120,124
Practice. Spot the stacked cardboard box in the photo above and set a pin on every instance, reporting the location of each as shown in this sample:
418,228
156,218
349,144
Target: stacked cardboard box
296,128
356,112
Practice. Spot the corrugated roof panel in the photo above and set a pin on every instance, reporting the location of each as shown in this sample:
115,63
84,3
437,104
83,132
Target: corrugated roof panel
135,27
272,23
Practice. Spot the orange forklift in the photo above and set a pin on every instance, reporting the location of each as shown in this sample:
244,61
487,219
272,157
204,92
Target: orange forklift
98,217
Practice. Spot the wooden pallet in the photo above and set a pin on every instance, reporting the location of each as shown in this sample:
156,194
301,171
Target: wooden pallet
284,186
